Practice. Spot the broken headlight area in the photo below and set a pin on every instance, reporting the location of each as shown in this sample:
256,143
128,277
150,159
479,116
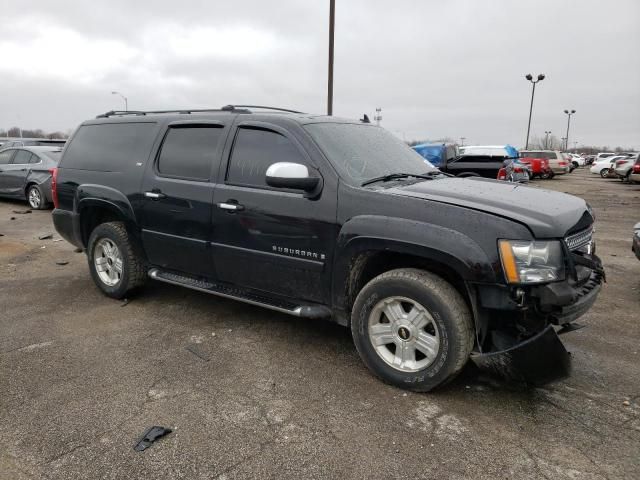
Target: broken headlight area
531,262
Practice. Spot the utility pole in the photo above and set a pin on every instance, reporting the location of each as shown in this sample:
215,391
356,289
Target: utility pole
529,77
462,139
332,21
378,116
546,139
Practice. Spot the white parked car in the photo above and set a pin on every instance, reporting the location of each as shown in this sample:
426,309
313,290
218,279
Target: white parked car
603,166
577,160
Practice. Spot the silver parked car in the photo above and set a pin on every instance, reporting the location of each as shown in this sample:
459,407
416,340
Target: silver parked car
25,173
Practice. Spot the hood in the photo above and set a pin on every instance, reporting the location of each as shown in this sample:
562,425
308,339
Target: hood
546,213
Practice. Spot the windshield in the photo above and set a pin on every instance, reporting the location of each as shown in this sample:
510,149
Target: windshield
363,152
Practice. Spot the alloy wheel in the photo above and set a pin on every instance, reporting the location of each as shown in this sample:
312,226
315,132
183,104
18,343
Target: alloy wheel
403,334
34,198
108,262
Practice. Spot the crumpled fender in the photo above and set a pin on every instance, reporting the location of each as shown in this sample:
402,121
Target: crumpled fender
380,233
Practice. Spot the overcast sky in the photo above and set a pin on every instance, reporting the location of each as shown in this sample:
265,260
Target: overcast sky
437,69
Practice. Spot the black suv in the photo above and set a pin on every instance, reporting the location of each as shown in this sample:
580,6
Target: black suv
317,216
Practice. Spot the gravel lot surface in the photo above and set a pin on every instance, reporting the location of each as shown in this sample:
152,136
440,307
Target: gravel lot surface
252,393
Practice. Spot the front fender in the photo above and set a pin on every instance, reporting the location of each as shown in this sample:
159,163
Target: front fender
373,233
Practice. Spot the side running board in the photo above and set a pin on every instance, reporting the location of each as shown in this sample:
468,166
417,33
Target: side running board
242,295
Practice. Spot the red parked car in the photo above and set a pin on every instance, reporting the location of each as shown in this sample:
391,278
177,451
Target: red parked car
539,167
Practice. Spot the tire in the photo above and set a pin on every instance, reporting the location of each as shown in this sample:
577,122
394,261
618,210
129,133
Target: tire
449,327
467,175
36,198
604,173
627,177
131,273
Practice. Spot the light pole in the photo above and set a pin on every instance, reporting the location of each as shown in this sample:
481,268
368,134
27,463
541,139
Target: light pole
332,21
378,116
546,139
462,139
566,141
529,77
563,140
126,104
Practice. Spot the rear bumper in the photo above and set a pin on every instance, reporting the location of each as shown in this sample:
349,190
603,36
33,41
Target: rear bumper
560,170
67,224
635,177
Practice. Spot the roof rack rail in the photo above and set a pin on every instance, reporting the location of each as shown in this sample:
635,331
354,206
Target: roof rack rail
262,107
226,108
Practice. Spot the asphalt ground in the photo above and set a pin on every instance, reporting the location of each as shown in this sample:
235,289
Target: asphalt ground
251,393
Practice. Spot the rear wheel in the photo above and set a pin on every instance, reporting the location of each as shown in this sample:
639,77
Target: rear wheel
36,198
412,329
114,261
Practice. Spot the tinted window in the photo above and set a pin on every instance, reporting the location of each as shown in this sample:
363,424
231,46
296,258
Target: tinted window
254,150
189,152
22,157
34,158
5,156
110,147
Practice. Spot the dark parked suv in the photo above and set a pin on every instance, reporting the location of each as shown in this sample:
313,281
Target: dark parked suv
317,216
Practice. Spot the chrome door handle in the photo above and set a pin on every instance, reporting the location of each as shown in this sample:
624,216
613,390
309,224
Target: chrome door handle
232,207
154,195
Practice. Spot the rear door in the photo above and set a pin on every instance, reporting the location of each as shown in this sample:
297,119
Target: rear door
178,195
6,157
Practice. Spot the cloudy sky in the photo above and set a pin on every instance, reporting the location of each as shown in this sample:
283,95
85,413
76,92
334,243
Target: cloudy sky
436,68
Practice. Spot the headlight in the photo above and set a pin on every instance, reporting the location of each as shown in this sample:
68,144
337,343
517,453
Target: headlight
531,262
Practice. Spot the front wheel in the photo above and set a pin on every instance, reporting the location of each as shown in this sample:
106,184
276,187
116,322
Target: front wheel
412,329
115,263
604,173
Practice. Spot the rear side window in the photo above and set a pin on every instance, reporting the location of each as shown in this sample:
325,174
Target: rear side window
109,147
34,158
254,151
22,157
189,151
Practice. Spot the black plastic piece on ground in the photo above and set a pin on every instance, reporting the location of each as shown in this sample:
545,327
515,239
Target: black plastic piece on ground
570,327
150,436
21,212
538,360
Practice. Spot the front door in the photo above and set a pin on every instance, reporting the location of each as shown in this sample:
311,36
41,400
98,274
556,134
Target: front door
5,170
178,195
273,240
16,173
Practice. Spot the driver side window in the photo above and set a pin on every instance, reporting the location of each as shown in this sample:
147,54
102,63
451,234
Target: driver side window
254,151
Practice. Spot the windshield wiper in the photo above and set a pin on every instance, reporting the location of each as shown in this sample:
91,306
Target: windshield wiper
393,176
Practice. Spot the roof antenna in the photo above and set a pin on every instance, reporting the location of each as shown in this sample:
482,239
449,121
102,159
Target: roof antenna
365,119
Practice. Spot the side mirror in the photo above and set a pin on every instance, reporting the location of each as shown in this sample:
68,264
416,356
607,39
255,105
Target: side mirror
291,175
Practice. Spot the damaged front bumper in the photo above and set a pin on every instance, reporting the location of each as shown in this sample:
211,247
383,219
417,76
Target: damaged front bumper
518,333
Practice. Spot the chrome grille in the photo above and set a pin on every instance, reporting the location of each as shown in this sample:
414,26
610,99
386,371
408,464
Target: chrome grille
579,240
